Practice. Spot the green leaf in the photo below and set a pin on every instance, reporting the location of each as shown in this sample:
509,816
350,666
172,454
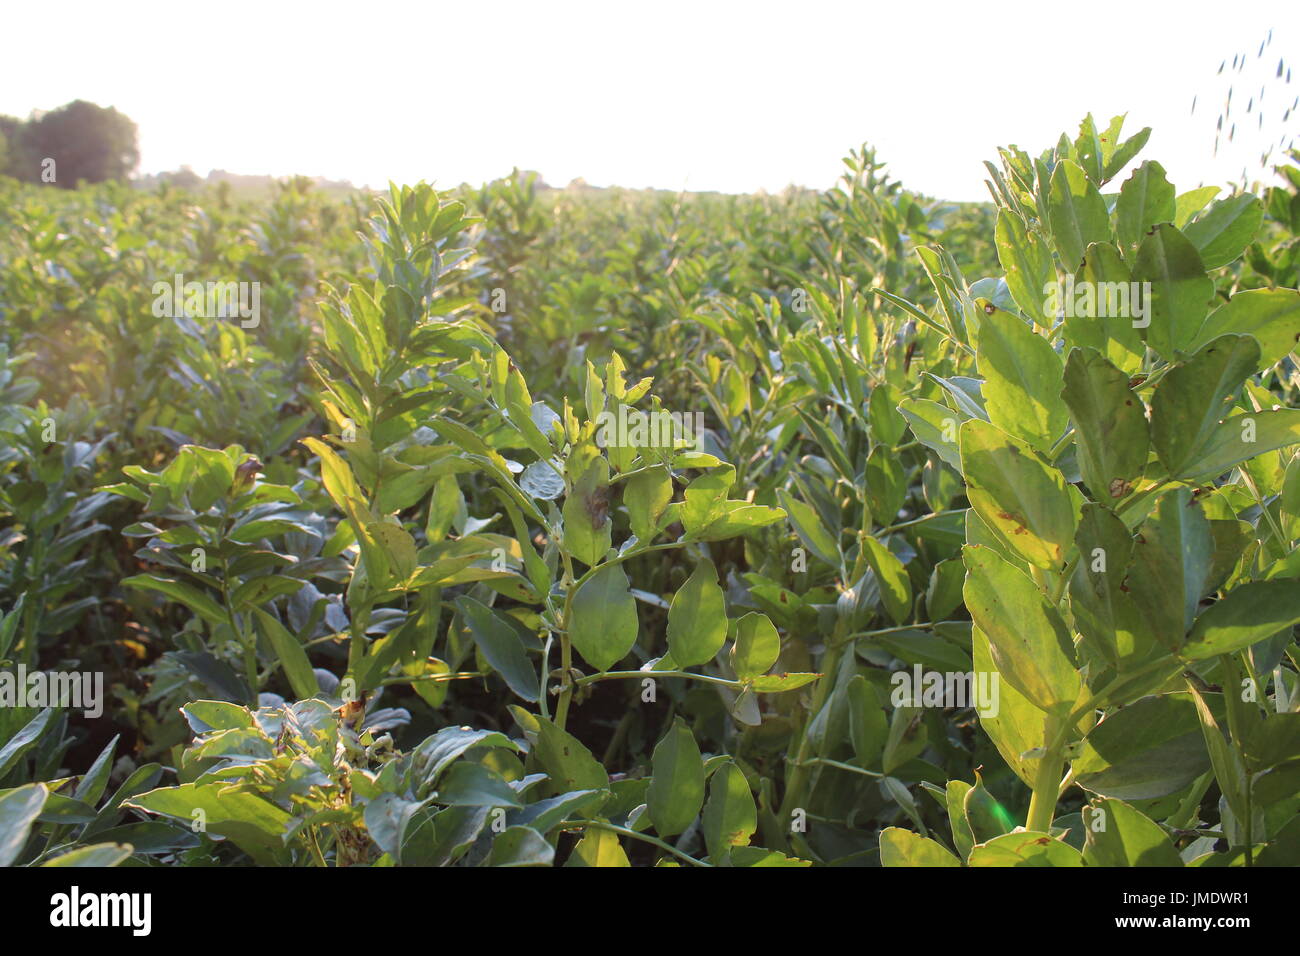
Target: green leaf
1022,380
1149,749
21,742
1076,213
935,426
340,483
569,763
1188,204
899,847
19,809
895,586
93,782
757,646
602,618
697,618
1246,615
810,529
887,425
97,855
1020,499
779,683
1110,423
885,483
292,655
1018,726
646,495
587,528
868,728
262,590
760,856
1103,610
256,825
1116,834
436,753
1224,231
1027,263
520,846
544,815
398,547
1192,398
954,799
190,596
704,499
9,625
736,518
1030,643
1244,437
1180,290
501,646
1226,759
211,478
676,790
205,716
907,735
444,502
1270,316
730,816
943,595
1172,558
1145,199
598,848
469,784
1026,848
1104,308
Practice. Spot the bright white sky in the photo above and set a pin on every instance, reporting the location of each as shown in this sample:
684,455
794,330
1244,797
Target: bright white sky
732,96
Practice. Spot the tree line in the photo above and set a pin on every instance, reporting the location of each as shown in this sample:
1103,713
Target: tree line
77,142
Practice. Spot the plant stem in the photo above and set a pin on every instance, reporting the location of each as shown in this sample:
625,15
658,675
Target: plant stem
794,791
634,835
1047,784
431,678
840,765
911,521
566,649
616,675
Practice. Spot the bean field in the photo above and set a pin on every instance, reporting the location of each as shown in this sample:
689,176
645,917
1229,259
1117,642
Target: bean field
521,526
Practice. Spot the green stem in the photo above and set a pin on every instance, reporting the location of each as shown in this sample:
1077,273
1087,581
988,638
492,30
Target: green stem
919,626
840,765
794,791
911,521
566,648
431,678
616,675
1047,784
1185,815
618,559
315,846
634,835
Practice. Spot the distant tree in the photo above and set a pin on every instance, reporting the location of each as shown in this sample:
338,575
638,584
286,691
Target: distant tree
85,141
185,178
